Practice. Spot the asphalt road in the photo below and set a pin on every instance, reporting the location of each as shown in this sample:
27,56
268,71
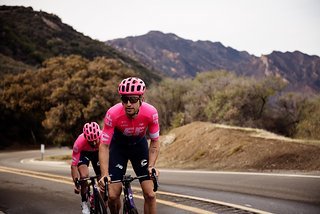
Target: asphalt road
274,192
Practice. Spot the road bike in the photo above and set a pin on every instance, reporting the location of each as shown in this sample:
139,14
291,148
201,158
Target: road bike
95,200
129,206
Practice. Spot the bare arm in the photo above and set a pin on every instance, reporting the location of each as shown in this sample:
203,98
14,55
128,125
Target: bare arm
154,150
104,165
74,172
104,159
75,175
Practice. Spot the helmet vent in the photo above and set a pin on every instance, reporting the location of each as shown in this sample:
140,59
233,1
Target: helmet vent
132,85
91,131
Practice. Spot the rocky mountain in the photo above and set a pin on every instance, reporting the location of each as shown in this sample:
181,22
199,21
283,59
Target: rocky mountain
178,57
29,37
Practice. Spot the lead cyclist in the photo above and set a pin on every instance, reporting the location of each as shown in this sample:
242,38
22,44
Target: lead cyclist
124,138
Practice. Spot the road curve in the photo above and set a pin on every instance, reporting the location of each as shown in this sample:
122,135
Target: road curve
272,192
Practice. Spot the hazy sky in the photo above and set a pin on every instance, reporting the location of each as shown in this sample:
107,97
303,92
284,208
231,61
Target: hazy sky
256,26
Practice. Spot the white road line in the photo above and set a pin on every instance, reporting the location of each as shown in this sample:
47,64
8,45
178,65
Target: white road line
55,178
67,180
241,173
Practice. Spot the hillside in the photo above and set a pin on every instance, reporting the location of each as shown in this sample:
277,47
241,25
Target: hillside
201,145
178,57
29,37
55,71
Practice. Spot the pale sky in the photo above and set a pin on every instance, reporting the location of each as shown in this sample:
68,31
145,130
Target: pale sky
256,26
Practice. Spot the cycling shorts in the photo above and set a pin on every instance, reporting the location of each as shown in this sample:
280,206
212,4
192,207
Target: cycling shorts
124,149
93,156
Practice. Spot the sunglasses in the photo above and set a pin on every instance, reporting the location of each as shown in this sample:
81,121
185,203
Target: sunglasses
132,100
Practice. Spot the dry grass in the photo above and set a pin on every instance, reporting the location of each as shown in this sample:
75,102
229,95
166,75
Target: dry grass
201,145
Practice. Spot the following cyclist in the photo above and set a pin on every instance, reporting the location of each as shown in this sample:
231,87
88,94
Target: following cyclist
85,149
123,138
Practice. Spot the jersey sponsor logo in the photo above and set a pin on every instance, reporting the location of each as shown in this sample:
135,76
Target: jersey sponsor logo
144,162
155,118
108,117
119,166
124,124
139,130
128,131
108,120
131,131
76,149
105,138
108,123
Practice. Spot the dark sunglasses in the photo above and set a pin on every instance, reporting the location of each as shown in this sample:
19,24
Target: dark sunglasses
132,100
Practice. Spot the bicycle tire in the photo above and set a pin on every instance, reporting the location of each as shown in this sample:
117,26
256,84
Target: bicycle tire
99,205
126,210
133,211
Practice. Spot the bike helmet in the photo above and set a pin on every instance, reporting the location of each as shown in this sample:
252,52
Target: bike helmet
91,131
131,86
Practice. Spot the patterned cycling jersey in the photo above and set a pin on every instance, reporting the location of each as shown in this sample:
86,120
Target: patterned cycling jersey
116,119
80,145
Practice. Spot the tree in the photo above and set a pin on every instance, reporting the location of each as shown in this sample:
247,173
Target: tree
309,124
54,101
203,90
167,98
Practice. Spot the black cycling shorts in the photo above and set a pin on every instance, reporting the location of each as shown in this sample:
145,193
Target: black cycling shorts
123,149
93,156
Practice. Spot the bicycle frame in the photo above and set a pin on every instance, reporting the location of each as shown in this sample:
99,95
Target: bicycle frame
98,207
128,201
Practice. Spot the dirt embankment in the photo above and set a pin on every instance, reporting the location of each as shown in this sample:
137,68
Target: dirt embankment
201,145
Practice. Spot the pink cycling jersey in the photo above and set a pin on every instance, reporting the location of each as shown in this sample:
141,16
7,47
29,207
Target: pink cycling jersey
81,144
147,119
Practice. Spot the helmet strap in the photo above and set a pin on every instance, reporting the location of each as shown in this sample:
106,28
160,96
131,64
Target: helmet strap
91,144
141,99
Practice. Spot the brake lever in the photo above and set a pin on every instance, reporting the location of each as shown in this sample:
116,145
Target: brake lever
106,193
155,180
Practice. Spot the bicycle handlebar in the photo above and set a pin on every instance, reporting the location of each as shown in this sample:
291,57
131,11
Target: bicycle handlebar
129,178
106,193
79,181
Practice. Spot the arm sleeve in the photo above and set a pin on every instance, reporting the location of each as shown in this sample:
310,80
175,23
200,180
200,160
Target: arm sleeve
76,151
154,128
108,129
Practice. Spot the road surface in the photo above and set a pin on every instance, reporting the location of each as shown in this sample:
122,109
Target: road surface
29,192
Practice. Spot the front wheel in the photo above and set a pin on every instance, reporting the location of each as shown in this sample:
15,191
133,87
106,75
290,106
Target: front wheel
127,210
133,211
99,205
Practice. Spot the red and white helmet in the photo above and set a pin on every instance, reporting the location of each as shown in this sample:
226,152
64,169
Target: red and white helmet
132,86
91,131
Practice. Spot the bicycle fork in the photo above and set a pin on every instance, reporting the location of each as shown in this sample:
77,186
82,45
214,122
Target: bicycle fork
128,196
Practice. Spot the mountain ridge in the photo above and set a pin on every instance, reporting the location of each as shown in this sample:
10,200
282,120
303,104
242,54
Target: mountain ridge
180,58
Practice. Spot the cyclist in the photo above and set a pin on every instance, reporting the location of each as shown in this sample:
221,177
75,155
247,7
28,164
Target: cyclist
124,138
85,149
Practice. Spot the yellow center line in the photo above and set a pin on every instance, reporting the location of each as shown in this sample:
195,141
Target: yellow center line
40,175
68,180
